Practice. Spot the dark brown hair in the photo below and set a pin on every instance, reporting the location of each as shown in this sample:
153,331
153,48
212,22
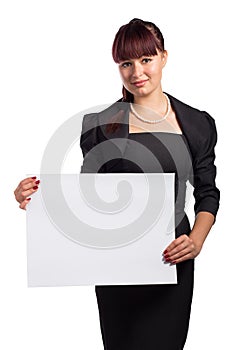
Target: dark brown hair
136,39
133,40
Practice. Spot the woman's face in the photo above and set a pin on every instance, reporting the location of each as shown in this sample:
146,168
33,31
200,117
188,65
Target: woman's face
142,76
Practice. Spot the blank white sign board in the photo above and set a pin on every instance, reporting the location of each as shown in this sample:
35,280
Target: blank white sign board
101,229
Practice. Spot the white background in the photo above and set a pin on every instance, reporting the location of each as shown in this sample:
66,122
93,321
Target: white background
56,61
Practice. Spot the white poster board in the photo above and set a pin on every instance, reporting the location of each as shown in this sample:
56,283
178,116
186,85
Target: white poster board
101,229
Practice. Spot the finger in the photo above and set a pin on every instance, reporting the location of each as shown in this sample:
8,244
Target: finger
183,258
180,254
24,203
29,184
29,192
26,181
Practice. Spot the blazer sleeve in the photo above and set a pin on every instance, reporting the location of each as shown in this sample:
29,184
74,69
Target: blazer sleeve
92,158
206,193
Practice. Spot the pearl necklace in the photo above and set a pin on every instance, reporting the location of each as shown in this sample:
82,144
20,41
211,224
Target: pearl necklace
156,120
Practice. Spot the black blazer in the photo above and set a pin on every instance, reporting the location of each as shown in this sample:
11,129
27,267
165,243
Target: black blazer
197,126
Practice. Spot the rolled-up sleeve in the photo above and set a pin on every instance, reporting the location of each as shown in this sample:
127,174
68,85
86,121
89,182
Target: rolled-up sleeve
206,193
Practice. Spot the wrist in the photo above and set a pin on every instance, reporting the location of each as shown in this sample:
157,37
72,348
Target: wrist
197,240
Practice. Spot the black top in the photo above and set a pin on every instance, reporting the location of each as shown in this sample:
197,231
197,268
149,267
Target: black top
198,128
160,152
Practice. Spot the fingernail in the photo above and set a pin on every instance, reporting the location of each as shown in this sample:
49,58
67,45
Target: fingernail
168,260
37,182
165,251
35,187
166,256
28,199
33,177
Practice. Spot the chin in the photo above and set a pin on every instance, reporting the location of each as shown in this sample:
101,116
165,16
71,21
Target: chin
141,93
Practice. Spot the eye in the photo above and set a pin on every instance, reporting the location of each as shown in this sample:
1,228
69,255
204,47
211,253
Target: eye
125,64
146,60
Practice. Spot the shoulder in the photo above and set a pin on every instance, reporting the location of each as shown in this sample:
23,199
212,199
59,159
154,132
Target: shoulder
104,115
196,123
94,124
89,121
191,112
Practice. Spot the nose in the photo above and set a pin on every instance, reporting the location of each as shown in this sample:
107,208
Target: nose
137,70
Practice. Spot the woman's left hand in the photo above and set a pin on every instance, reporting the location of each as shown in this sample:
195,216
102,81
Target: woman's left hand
181,249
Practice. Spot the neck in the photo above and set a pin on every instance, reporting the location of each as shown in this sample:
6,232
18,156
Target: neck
155,101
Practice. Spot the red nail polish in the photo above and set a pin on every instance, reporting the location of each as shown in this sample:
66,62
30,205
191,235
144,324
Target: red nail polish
33,177
37,182
165,251
28,199
35,187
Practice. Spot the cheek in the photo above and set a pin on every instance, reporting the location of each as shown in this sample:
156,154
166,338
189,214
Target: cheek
124,76
121,72
156,70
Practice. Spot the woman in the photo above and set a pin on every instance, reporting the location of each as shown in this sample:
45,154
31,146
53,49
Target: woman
182,139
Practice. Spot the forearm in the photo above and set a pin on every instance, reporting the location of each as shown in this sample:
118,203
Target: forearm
202,225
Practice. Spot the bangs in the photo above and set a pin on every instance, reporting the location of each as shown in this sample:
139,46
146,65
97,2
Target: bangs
134,41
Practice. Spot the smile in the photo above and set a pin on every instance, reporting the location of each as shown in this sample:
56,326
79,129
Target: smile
140,83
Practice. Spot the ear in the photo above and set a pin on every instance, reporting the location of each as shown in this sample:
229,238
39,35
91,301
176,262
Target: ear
164,57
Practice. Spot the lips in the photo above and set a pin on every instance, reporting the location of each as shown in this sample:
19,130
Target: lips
140,83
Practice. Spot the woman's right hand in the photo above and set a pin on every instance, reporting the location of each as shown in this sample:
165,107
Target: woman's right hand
25,189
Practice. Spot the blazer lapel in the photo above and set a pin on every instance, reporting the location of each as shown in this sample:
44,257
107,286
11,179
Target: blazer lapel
180,112
190,122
